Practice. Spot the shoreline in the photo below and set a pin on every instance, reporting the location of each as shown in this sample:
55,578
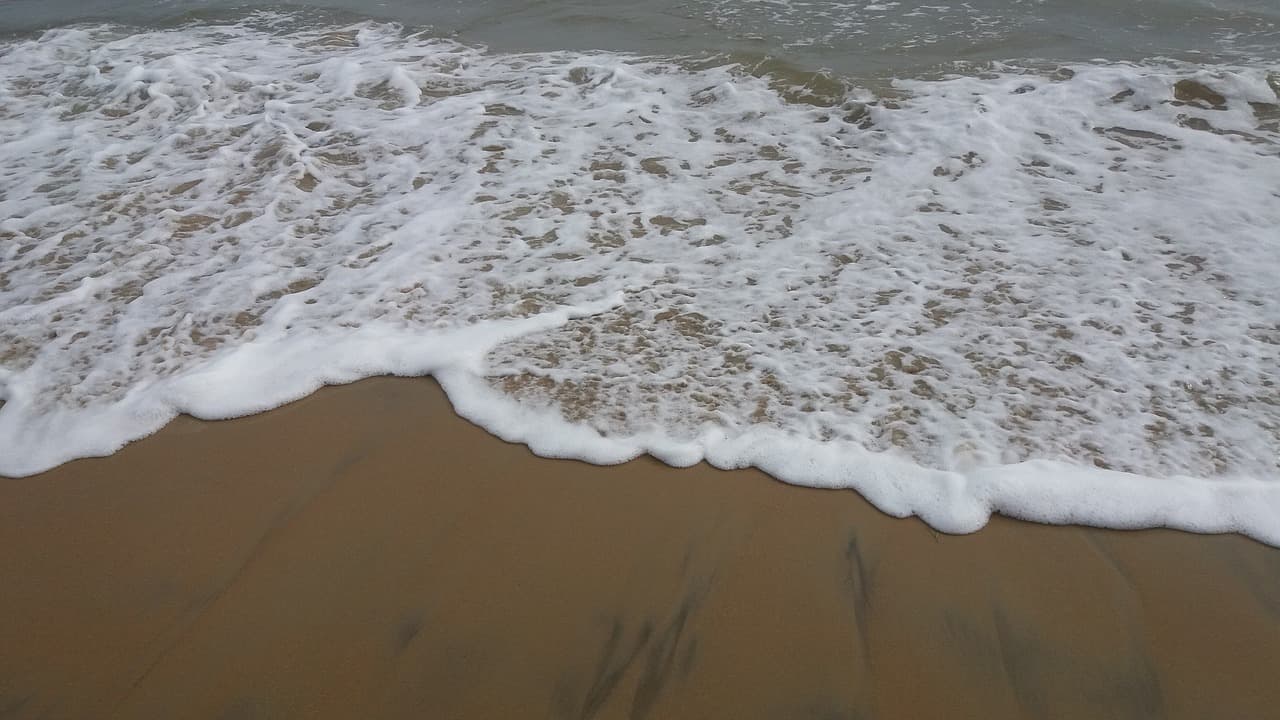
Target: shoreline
366,552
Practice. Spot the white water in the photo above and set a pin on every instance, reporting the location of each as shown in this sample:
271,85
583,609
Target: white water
1048,293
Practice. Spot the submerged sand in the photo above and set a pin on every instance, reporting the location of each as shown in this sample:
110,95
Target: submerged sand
366,553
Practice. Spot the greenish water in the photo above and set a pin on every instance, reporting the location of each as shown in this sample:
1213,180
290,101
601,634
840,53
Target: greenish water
847,36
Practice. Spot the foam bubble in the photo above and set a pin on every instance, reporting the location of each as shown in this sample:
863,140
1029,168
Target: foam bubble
1043,292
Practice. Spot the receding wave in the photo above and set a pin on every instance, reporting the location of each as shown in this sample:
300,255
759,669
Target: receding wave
1042,291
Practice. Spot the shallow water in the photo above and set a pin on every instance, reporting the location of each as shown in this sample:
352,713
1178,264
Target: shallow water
934,253
848,36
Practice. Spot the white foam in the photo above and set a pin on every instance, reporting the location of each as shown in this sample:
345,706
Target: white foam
1042,293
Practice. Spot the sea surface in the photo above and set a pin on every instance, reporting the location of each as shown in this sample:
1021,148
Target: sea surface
1009,256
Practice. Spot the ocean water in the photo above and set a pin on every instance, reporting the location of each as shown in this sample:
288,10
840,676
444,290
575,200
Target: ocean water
1017,256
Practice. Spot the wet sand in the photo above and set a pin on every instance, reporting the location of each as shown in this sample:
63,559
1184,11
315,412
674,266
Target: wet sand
366,553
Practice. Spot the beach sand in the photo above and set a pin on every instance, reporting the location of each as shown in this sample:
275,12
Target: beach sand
365,553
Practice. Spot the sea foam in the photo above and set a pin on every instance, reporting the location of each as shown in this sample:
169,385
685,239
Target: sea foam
1042,291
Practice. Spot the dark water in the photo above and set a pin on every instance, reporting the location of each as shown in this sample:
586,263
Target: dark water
858,36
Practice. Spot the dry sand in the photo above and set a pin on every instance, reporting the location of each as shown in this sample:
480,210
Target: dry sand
364,553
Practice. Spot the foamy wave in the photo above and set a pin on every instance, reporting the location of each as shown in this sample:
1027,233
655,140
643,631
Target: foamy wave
1052,289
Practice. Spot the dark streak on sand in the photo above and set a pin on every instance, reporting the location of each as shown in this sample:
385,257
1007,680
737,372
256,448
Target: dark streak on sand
406,631
10,707
662,657
860,578
614,662
621,651
173,635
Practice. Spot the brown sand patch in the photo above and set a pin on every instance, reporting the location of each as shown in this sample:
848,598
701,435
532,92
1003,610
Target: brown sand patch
365,553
